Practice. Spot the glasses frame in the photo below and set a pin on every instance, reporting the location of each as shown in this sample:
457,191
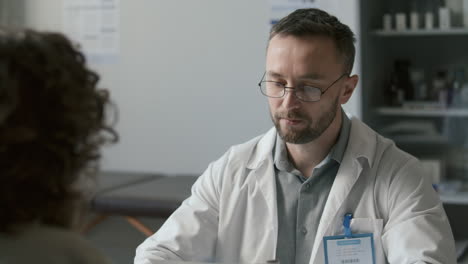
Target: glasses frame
294,91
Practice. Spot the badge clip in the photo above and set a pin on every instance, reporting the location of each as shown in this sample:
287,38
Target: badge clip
347,225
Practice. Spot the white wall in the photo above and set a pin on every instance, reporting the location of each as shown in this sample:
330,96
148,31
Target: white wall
185,80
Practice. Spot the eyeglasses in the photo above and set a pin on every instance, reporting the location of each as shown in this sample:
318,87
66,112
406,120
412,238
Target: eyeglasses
304,93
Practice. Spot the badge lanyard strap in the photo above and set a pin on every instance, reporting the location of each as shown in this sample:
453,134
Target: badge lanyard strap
347,224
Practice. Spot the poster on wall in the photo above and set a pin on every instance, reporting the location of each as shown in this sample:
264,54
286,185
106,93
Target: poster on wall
94,25
281,8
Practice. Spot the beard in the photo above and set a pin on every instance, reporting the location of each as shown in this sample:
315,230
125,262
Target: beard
311,131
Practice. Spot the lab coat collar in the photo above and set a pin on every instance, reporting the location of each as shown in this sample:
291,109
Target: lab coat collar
263,150
362,143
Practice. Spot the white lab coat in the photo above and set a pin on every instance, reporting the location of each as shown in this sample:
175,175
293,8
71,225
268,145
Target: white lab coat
231,215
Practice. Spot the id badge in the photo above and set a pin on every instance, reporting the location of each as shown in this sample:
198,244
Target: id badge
349,248
357,249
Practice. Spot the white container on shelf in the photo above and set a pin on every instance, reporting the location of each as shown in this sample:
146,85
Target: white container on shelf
400,19
414,20
414,14
456,12
387,22
465,13
444,18
429,20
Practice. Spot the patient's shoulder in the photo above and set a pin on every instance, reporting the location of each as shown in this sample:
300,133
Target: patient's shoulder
45,244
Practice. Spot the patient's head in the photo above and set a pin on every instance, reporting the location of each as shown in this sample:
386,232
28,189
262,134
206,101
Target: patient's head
53,122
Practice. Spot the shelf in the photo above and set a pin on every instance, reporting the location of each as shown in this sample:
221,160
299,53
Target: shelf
454,198
419,139
422,32
399,111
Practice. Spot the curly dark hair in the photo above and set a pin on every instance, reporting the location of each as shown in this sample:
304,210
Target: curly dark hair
313,21
53,121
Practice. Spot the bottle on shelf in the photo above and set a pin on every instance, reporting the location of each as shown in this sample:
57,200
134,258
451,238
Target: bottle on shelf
419,84
439,88
444,16
399,88
394,93
456,12
465,13
387,19
387,22
414,15
401,23
455,91
429,20
451,88
463,93
402,67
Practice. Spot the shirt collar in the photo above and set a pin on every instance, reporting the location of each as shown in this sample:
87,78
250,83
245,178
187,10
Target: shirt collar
280,156
338,150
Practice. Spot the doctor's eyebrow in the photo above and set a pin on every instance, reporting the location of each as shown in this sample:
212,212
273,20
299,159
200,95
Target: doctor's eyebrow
273,74
308,76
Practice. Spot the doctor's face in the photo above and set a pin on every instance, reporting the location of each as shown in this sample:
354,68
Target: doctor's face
296,62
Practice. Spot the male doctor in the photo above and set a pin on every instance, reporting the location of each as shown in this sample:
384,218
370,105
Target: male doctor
313,178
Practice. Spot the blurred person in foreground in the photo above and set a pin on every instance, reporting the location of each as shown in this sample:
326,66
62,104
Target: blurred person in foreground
52,125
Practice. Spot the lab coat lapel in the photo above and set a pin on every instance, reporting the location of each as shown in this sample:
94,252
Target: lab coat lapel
360,144
266,182
344,181
261,166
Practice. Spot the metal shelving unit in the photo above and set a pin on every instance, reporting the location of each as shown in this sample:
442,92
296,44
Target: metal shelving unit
455,198
421,32
442,112
426,129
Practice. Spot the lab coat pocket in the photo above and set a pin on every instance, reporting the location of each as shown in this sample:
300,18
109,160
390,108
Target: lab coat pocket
374,226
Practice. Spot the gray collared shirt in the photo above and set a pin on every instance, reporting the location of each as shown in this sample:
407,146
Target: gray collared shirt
301,199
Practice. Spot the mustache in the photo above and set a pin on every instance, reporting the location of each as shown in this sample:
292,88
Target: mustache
289,115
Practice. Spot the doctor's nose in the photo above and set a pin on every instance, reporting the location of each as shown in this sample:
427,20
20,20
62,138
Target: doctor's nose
290,100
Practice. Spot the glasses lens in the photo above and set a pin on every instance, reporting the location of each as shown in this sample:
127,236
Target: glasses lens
272,89
309,94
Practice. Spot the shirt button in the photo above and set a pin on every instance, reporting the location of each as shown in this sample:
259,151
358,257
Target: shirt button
304,230
307,186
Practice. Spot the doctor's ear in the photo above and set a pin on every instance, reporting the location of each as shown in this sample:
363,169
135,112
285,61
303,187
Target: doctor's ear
350,84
